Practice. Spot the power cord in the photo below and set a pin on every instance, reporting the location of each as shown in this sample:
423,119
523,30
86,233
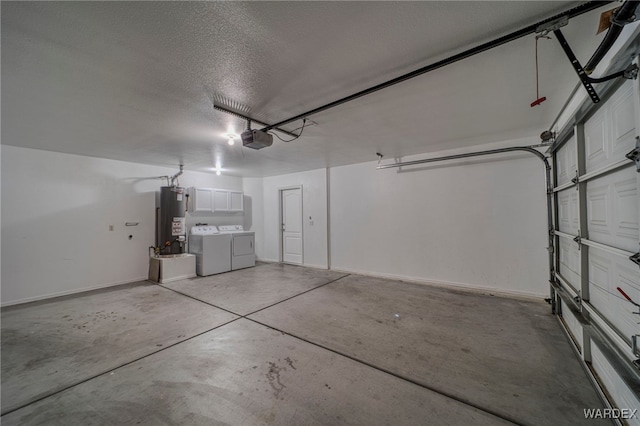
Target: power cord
304,123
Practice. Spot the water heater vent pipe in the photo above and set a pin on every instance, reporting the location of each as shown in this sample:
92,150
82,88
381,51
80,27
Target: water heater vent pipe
174,178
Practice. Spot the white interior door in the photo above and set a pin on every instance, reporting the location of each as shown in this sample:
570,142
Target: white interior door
292,225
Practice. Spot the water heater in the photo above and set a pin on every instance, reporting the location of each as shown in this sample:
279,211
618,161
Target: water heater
171,224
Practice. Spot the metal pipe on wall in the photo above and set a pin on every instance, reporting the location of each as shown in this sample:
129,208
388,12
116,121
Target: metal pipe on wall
174,178
548,185
467,155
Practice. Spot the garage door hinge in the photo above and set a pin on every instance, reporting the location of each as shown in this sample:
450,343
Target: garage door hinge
576,179
578,240
635,258
578,300
634,155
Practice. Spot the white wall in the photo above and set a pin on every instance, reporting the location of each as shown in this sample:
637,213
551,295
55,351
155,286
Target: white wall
481,224
56,212
475,223
314,205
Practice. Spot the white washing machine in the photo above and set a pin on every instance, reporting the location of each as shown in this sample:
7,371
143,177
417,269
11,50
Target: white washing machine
243,251
212,250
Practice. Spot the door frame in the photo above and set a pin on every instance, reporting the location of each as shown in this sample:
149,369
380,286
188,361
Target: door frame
280,217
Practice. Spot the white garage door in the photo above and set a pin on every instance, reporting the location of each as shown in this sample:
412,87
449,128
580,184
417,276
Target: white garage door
597,229
612,210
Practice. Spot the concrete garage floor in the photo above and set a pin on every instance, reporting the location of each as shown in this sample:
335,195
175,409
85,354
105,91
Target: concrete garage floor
280,344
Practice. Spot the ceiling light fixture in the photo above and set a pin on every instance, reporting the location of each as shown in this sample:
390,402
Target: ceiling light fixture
232,138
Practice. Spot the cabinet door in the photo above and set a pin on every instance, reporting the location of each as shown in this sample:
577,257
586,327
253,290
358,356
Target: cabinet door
236,201
220,200
202,201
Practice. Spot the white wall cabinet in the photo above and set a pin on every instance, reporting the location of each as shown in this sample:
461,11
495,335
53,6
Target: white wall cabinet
202,200
220,200
212,200
236,201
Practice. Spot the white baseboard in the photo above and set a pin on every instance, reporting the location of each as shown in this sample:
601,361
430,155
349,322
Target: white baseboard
448,284
69,292
307,265
423,281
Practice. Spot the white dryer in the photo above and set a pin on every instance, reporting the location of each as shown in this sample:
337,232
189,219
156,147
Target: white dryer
243,252
212,250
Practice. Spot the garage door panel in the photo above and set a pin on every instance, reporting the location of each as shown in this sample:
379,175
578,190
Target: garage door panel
594,138
628,279
567,164
608,206
626,209
599,298
564,214
612,209
574,327
607,272
569,267
568,220
621,393
622,120
600,272
611,132
597,204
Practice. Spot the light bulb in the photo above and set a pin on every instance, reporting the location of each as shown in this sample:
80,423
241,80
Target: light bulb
231,142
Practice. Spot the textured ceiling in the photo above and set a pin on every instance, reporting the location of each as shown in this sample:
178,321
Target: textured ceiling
134,81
